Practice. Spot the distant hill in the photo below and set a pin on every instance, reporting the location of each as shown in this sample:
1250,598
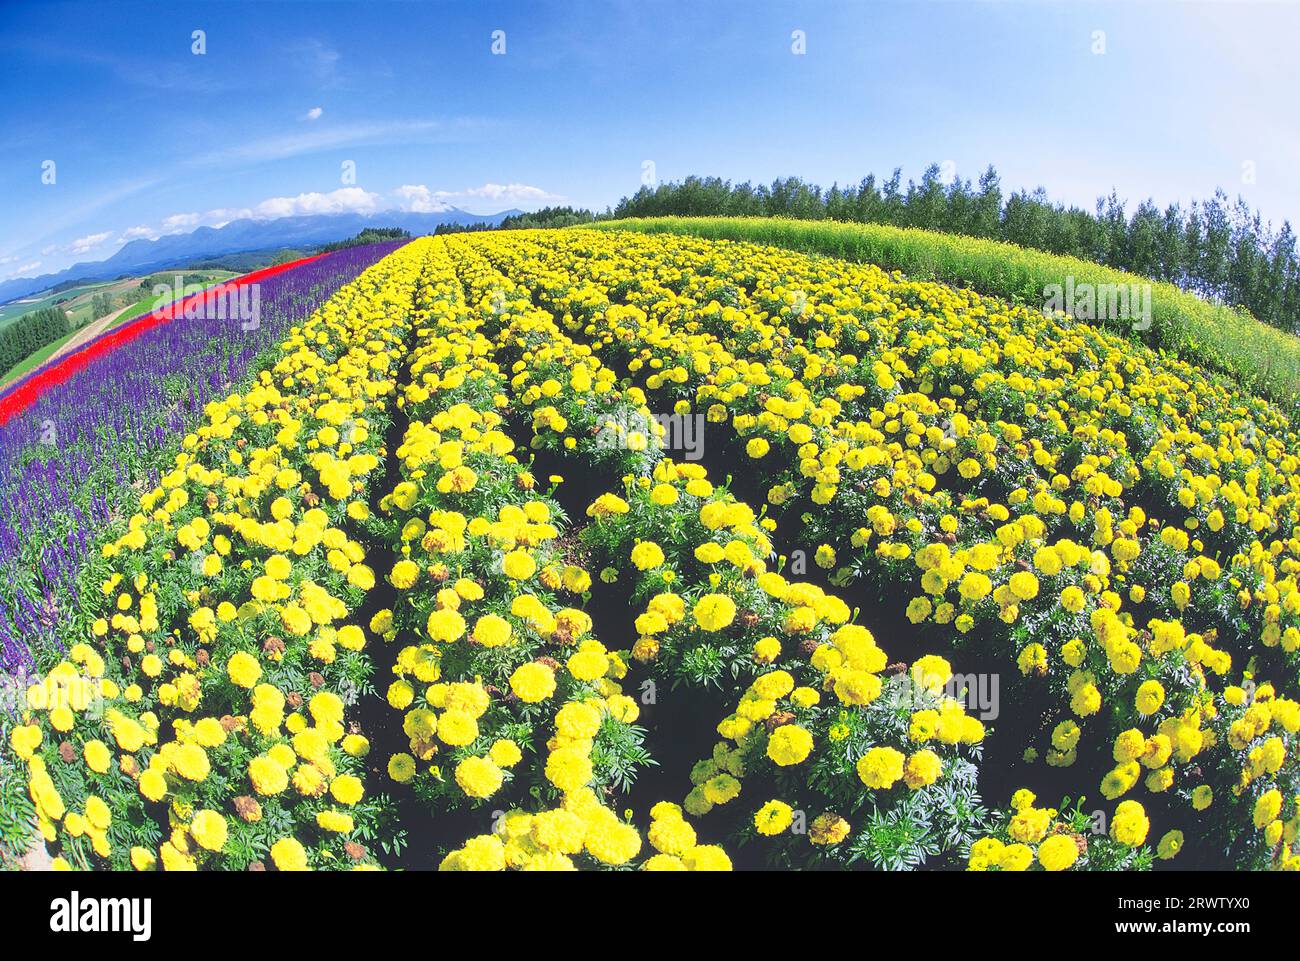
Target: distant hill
240,236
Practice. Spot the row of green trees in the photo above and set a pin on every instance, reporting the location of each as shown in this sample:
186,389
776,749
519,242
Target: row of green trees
29,333
1218,249
548,217
367,235
102,304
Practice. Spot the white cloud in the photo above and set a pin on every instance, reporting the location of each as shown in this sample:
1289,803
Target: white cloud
511,193
501,194
314,113
417,198
85,244
177,223
136,233
343,200
24,269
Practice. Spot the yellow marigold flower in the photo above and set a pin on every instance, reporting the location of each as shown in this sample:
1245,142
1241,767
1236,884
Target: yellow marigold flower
922,768
1129,825
880,767
706,857
713,612
789,744
1058,852
268,775
478,777
533,682
1150,697
518,565
773,818
404,574
1169,845
288,854
153,785
208,828
347,789
243,669
1267,807
401,768
337,822
505,753
445,625
568,768
588,665
647,555
492,630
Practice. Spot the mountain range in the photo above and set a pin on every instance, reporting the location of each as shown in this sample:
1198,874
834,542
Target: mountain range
240,236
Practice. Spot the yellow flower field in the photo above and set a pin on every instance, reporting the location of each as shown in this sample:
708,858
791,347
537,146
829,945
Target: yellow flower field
603,550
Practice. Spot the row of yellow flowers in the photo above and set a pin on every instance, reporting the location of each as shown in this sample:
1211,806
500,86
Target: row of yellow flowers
509,701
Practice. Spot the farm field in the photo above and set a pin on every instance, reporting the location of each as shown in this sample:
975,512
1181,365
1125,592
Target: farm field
600,549
17,308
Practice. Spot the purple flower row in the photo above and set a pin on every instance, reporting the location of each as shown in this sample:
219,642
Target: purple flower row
75,461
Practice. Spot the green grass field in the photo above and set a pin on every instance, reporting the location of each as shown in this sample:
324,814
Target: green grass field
1225,339
13,311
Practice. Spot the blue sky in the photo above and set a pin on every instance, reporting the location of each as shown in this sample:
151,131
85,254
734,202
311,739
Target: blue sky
149,138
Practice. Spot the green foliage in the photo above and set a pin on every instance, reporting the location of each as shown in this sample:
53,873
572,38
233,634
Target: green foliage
101,305
17,814
370,235
548,217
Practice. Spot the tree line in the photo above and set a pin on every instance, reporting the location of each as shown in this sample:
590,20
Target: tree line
29,333
1218,249
368,235
548,217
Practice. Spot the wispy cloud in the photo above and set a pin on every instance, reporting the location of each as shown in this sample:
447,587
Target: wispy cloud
386,133
314,113
503,193
89,242
419,199
153,73
179,222
24,269
141,232
315,58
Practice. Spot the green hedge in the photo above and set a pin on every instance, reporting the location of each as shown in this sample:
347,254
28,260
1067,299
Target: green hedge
1229,340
